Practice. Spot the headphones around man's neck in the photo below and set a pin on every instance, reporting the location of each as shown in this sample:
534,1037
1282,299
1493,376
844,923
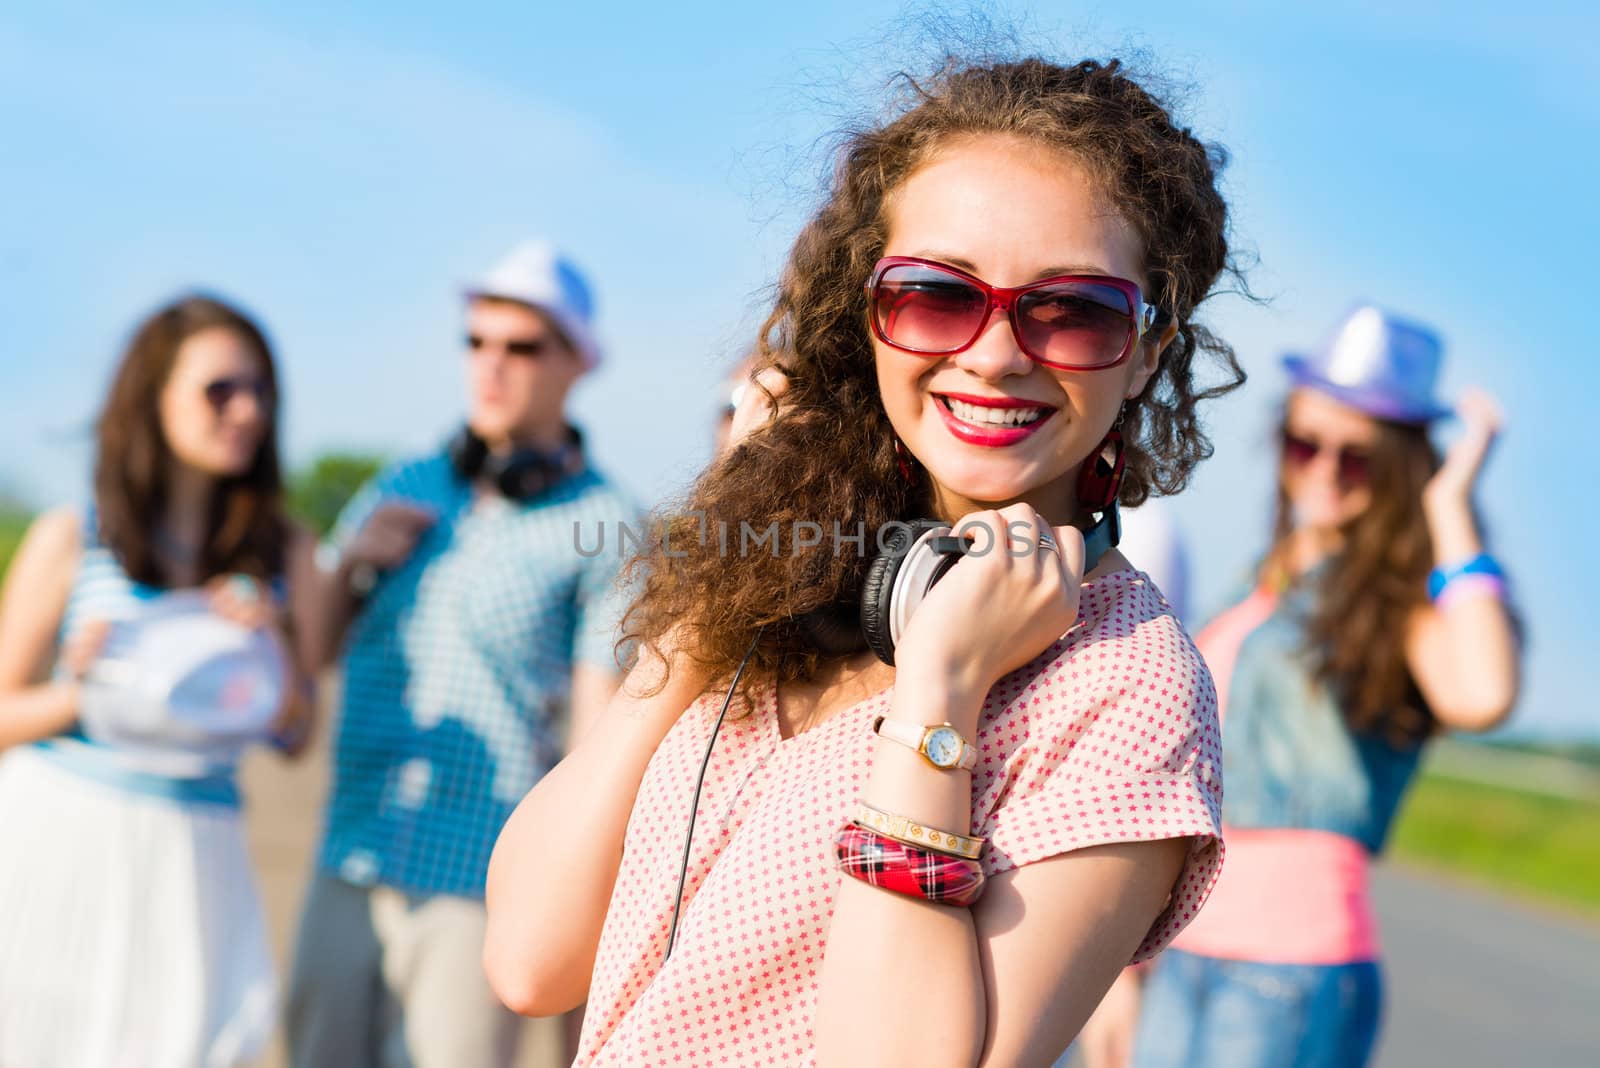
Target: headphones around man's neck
519,475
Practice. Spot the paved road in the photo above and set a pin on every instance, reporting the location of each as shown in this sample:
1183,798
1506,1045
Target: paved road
1475,982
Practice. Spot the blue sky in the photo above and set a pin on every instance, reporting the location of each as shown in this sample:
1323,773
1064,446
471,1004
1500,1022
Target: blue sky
341,172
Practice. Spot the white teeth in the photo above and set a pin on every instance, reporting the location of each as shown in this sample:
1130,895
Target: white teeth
983,415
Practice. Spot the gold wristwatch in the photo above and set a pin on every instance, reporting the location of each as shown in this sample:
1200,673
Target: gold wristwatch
940,745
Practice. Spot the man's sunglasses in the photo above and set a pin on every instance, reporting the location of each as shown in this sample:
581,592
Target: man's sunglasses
1353,463
1070,322
529,347
220,391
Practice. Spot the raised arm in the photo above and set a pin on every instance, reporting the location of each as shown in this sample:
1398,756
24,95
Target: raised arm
1463,652
1010,980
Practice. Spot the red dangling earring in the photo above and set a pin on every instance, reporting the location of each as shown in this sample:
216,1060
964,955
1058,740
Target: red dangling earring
903,457
1100,478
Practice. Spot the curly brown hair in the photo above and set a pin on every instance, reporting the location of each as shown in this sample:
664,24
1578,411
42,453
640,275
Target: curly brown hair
1369,590
830,454
246,531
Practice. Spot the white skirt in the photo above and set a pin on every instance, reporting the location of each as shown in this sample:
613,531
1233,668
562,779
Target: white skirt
131,928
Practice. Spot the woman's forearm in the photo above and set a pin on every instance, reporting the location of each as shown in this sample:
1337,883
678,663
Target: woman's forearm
34,712
556,861
902,981
1477,631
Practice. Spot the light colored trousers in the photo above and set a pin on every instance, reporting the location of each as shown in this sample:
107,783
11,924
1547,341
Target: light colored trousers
383,979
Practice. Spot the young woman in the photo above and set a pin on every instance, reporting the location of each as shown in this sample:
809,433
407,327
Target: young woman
1002,274
142,649
1374,621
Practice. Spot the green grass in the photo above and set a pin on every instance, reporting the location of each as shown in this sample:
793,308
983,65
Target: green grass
12,527
1532,846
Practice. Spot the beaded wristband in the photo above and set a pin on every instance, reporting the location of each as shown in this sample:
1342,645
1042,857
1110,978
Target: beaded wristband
1443,576
880,861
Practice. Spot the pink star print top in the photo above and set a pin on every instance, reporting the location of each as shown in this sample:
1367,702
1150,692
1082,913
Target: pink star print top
1110,735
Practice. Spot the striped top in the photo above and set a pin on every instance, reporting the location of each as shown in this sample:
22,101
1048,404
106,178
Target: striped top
458,670
161,765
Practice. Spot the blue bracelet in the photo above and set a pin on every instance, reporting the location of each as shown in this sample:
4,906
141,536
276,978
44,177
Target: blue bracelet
1440,577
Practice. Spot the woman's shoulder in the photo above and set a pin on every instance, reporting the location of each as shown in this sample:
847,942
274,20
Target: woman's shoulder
1124,620
1127,654
45,565
56,538
63,529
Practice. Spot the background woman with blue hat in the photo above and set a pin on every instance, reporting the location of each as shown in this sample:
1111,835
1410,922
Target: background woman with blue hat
143,649
1375,620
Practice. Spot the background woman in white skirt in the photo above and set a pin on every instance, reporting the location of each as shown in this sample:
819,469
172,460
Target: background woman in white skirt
143,647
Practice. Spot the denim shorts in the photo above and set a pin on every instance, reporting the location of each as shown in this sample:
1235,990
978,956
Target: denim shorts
1205,1012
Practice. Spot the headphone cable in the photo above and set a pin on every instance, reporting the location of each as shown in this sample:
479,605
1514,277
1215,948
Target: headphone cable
694,808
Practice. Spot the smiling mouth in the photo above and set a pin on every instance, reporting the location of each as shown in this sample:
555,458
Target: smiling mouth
993,416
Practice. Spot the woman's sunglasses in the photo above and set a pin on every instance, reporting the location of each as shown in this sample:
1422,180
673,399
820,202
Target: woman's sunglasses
1353,463
221,391
1070,322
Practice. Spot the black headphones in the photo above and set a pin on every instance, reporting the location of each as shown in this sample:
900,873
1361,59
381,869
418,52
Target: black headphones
917,555
914,557
520,475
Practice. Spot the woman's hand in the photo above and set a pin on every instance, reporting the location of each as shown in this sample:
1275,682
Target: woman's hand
243,600
1452,484
248,602
83,646
755,410
78,654
998,607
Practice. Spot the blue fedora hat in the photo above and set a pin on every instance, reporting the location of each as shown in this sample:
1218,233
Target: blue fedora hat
1377,362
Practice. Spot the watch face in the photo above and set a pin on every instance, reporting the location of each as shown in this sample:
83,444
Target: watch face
944,747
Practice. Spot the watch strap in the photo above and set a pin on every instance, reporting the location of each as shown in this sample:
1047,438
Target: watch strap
911,735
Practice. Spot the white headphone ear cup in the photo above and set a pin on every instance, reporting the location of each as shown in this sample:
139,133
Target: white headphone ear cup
922,565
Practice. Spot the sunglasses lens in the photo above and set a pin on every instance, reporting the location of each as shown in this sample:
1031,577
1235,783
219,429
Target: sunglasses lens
1298,450
924,309
525,349
219,393
1075,324
1355,467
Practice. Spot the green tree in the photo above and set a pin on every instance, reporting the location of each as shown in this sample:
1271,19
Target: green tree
318,492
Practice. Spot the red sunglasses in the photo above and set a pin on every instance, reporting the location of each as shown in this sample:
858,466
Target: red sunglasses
1353,463
1071,322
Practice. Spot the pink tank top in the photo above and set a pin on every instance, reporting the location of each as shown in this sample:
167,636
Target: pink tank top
1286,896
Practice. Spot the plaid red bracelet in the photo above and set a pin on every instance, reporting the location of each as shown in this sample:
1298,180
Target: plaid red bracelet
883,862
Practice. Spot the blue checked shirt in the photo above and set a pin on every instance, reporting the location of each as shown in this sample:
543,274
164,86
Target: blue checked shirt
458,670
